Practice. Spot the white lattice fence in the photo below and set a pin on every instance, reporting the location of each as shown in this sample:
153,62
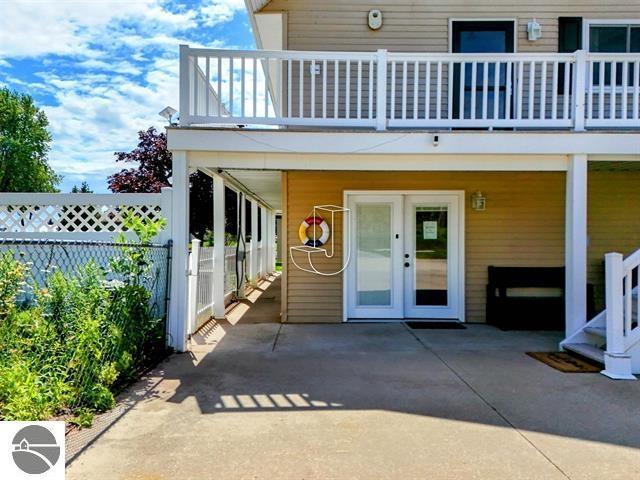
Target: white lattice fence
84,216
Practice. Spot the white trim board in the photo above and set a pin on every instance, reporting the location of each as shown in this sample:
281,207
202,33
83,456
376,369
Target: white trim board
268,162
394,142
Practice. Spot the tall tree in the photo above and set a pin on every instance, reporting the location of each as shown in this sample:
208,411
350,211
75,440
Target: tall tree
24,145
152,172
153,165
83,188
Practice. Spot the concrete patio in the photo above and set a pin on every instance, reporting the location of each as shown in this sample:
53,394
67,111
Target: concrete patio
257,399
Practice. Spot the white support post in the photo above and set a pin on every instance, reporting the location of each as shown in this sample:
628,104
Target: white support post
381,90
264,228
218,247
617,362
576,245
253,267
178,314
272,242
614,298
277,238
579,90
194,263
240,293
165,208
184,86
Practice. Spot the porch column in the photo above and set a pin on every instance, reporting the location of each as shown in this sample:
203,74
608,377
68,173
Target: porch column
272,241
242,225
218,247
576,244
264,270
253,267
178,314
274,246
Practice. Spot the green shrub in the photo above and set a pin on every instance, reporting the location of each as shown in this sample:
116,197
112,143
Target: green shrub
12,279
81,338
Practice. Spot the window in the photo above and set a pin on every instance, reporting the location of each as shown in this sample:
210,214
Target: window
614,38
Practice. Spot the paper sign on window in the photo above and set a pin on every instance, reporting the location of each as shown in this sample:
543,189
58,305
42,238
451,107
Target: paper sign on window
429,230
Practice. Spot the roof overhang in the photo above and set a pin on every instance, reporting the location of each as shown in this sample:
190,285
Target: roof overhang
269,29
254,6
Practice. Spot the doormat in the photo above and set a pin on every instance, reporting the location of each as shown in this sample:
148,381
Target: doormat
436,325
565,362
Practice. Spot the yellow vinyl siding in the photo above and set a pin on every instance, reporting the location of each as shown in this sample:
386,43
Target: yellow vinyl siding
613,220
419,26
523,225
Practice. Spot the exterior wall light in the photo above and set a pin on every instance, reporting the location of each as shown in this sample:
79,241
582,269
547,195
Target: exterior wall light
534,30
478,201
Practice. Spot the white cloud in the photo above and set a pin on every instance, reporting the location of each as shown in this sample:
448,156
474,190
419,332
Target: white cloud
220,11
32,28
97,116
106,69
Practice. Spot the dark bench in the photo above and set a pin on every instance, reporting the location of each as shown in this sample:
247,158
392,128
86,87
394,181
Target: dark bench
528,298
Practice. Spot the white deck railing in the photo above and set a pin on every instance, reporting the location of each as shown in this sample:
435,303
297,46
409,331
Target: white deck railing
202,285
382,89
230,275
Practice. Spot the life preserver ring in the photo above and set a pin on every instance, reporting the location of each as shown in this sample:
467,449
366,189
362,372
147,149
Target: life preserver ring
306,223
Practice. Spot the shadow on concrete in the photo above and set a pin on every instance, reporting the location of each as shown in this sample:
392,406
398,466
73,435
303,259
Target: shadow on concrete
481,376
250,363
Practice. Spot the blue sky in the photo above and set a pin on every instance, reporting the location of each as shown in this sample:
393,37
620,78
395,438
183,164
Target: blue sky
103,69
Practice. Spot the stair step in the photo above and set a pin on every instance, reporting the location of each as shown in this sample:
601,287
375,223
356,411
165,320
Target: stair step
599,331
586,350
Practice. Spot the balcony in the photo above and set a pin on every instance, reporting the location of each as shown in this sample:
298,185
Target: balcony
380,90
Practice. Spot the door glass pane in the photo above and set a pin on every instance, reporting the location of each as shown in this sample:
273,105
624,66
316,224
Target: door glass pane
431,255
492,41
373,254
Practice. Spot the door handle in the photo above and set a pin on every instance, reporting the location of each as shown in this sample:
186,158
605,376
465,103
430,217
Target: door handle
406,264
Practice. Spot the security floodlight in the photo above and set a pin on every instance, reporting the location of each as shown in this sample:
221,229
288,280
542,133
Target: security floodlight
168,113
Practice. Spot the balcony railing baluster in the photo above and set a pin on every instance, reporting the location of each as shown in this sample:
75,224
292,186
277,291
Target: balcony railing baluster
386,90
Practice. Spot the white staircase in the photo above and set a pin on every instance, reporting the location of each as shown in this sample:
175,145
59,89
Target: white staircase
613,336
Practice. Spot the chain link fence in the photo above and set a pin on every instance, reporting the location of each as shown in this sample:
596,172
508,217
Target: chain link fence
45,256
130,337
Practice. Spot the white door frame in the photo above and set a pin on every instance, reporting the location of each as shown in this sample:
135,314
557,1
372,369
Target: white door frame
460,250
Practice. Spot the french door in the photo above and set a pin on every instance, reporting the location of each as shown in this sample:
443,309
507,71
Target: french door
405,256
